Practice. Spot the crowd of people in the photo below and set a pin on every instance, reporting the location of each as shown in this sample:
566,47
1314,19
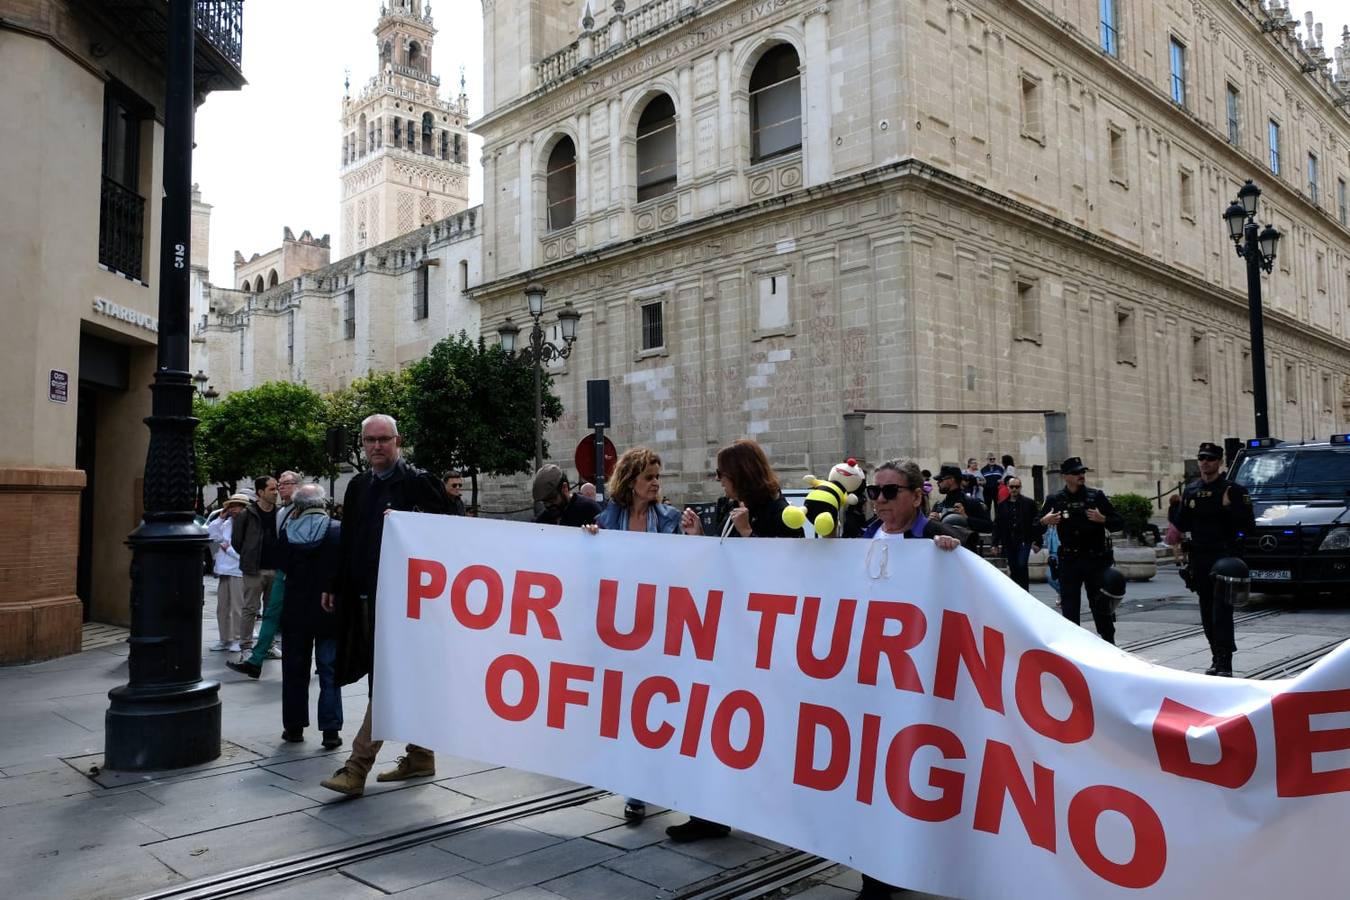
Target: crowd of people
315,578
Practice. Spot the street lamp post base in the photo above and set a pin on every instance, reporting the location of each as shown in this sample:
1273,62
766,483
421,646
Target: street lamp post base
162,727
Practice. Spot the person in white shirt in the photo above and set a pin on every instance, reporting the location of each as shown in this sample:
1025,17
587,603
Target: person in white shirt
230,588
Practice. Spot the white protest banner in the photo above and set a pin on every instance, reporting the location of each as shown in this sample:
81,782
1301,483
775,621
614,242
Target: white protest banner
909,712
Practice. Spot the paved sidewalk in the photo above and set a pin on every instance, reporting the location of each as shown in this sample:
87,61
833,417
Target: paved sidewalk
67,829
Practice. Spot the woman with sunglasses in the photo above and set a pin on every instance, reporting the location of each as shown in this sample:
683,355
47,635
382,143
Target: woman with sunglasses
755,502
901,507
755,509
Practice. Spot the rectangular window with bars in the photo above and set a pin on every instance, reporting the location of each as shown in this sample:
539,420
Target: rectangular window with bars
1233,106
349,317
653,331
121,226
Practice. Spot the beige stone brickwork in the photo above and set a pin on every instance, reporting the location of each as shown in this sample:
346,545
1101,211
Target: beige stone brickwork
293,258
987,210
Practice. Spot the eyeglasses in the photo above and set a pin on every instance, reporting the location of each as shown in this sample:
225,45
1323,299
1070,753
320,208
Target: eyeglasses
454,485
372,439
1014,487
889,491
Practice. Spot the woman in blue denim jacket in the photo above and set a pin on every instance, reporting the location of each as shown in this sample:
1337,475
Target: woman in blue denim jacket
635,499
635,505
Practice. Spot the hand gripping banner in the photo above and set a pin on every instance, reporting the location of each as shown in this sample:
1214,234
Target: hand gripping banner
909,712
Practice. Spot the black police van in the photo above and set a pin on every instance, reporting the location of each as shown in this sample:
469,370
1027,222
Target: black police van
1300,494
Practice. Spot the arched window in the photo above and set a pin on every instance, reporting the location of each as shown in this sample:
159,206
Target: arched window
428,126
562,184
775,104
272,278
258,286
656,148
386,54
415,55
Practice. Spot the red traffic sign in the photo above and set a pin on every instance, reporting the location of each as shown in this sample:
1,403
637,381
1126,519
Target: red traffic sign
585,458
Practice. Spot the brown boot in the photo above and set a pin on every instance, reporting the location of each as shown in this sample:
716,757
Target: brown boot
345,781
409,767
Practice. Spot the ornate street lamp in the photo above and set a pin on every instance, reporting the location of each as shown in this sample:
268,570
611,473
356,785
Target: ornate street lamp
200,380
166,716
1257,246
540,352
210,395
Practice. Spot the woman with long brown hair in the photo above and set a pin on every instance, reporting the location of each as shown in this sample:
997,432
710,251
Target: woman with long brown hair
756,510
751,486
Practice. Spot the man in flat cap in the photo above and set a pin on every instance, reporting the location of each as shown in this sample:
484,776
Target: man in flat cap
554,502
1084,518
1215,514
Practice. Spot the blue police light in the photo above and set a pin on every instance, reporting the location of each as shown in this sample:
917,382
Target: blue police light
1340,438
1257,443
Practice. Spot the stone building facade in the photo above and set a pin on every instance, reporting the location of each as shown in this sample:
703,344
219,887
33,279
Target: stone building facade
79,249
379,309
404,150
774,212
293,258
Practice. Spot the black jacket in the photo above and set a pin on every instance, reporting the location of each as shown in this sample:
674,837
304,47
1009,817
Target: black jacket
1018,523
1215,529
577,511
766,520
407,489
1080,538
977,514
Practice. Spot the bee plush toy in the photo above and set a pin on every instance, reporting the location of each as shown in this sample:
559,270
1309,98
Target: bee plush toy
827,499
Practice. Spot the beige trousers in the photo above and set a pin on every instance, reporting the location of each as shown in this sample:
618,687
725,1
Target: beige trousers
256,589
364,750
229,606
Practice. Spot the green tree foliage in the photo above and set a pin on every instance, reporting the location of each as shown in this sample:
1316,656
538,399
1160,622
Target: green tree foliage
380,392
1135,509
471,408
263,430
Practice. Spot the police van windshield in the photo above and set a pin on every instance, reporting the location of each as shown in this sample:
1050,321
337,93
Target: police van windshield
1306,471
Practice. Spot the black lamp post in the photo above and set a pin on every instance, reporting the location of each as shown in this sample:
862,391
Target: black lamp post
166,716
1257,246
540,351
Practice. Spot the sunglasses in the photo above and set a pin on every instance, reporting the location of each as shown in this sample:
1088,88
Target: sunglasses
889,491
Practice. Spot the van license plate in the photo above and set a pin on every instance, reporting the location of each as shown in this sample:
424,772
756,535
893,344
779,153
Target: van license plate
1270,575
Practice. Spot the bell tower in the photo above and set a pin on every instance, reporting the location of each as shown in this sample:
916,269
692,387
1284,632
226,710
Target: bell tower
405,159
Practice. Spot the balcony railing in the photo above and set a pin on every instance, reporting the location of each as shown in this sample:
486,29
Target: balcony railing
221,22
121,229
401,69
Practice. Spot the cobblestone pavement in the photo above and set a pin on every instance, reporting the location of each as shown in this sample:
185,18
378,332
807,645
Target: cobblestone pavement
67,829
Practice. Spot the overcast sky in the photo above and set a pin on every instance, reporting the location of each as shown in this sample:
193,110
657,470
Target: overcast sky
269,155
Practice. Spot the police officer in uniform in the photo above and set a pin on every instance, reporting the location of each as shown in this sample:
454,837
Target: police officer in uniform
1214,515
1084,517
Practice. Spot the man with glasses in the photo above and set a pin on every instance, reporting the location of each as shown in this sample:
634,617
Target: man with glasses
1017,529
1084,519
1214,515
956,501
389,484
